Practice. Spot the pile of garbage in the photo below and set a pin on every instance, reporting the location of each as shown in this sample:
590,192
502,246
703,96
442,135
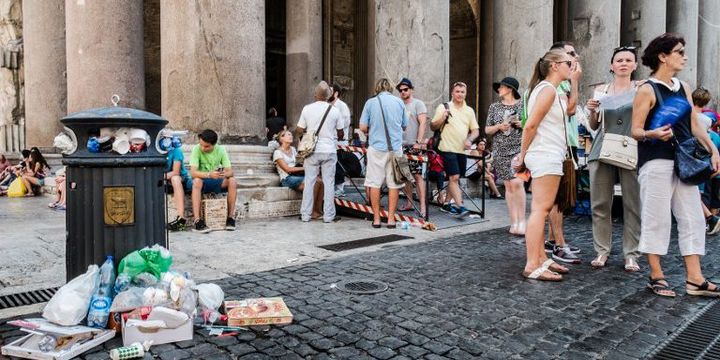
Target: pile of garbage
148,302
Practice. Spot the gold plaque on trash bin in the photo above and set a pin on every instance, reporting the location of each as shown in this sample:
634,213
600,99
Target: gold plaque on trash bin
119,205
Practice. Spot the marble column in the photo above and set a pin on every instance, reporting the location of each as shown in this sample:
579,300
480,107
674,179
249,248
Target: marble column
45,85
519,40
304,55
642,21
682,18
708,66
104,53
213,67
595,30
412,39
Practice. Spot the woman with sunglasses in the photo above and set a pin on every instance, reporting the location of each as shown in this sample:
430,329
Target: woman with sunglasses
503,124
662,193
543,150
618,94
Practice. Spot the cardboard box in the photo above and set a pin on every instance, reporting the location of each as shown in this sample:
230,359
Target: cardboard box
262,311
132,334
214,211
27,346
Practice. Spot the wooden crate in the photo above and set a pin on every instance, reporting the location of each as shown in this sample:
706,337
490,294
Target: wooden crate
214,211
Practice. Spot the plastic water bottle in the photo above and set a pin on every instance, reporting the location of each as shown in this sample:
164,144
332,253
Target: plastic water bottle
122,283
405,225
102,299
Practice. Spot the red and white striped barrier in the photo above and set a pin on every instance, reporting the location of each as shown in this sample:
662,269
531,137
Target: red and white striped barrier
420,222
362,150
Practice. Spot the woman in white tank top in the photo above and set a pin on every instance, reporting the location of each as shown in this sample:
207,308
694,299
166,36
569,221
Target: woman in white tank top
543,150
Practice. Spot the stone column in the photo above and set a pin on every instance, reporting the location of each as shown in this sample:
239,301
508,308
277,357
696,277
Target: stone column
104,53
595,30
45,85
682,18
412,39
523,32
708,66
642,21
304,55
213,67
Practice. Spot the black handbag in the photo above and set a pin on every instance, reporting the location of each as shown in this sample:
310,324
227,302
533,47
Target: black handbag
437,134
692,162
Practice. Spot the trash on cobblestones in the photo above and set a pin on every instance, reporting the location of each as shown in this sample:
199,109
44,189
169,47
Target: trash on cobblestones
135,350
261,311
155,260
46,340
70,304
210,296
162,326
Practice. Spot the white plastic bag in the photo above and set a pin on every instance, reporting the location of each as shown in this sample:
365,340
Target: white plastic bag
210,296
128,300
70,304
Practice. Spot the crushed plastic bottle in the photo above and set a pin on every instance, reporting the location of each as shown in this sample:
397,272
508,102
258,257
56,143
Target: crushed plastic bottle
405,225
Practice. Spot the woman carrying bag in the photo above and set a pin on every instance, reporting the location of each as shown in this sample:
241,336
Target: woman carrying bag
543,152
613,154
664,191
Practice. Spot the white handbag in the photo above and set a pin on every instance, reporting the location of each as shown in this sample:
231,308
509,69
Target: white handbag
618,150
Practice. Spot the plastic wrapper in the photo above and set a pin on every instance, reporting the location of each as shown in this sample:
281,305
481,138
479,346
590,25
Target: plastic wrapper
129,299
70,304
210,296
155,296
145,279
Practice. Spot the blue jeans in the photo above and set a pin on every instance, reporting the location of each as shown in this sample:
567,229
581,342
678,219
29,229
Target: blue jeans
292,181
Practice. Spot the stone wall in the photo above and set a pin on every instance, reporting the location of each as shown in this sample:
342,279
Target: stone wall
12,82
412,39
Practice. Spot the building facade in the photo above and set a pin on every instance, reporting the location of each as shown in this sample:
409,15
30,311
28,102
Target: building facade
222,63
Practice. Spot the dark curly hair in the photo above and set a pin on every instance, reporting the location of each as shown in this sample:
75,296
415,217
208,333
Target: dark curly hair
662,44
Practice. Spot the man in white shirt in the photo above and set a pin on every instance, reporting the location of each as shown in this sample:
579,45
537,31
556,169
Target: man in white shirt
324,158
345,118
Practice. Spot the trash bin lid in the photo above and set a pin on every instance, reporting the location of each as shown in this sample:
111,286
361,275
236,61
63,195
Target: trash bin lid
115,112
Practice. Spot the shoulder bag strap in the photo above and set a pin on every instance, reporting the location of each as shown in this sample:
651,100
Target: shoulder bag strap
387,134
323,119
564,121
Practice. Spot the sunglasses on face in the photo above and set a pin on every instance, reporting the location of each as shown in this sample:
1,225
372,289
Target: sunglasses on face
566,62
680,51
402,90
572,53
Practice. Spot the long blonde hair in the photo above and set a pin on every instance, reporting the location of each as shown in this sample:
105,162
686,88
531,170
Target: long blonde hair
383,85
542,66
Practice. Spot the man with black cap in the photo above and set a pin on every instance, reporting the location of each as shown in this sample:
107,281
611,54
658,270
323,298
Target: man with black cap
414,140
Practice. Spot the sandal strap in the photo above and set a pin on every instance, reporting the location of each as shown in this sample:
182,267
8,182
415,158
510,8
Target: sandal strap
654,282
539,271
704,286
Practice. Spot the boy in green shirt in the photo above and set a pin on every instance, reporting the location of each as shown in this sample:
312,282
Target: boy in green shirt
211,172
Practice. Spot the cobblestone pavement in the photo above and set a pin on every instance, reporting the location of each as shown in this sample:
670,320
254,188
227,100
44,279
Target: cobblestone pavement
457,298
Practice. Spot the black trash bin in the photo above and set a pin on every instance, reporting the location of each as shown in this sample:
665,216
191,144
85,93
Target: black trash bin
115,203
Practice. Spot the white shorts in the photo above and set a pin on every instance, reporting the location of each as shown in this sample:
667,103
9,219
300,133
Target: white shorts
544,163
379,169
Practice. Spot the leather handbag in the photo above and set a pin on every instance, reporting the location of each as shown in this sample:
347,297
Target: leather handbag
400,165
617,150
566,197
307,144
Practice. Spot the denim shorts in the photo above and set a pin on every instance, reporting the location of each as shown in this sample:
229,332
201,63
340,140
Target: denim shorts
455,164
213,186
292,181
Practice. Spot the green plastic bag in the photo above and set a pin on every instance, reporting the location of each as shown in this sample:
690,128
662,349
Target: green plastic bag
155,260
